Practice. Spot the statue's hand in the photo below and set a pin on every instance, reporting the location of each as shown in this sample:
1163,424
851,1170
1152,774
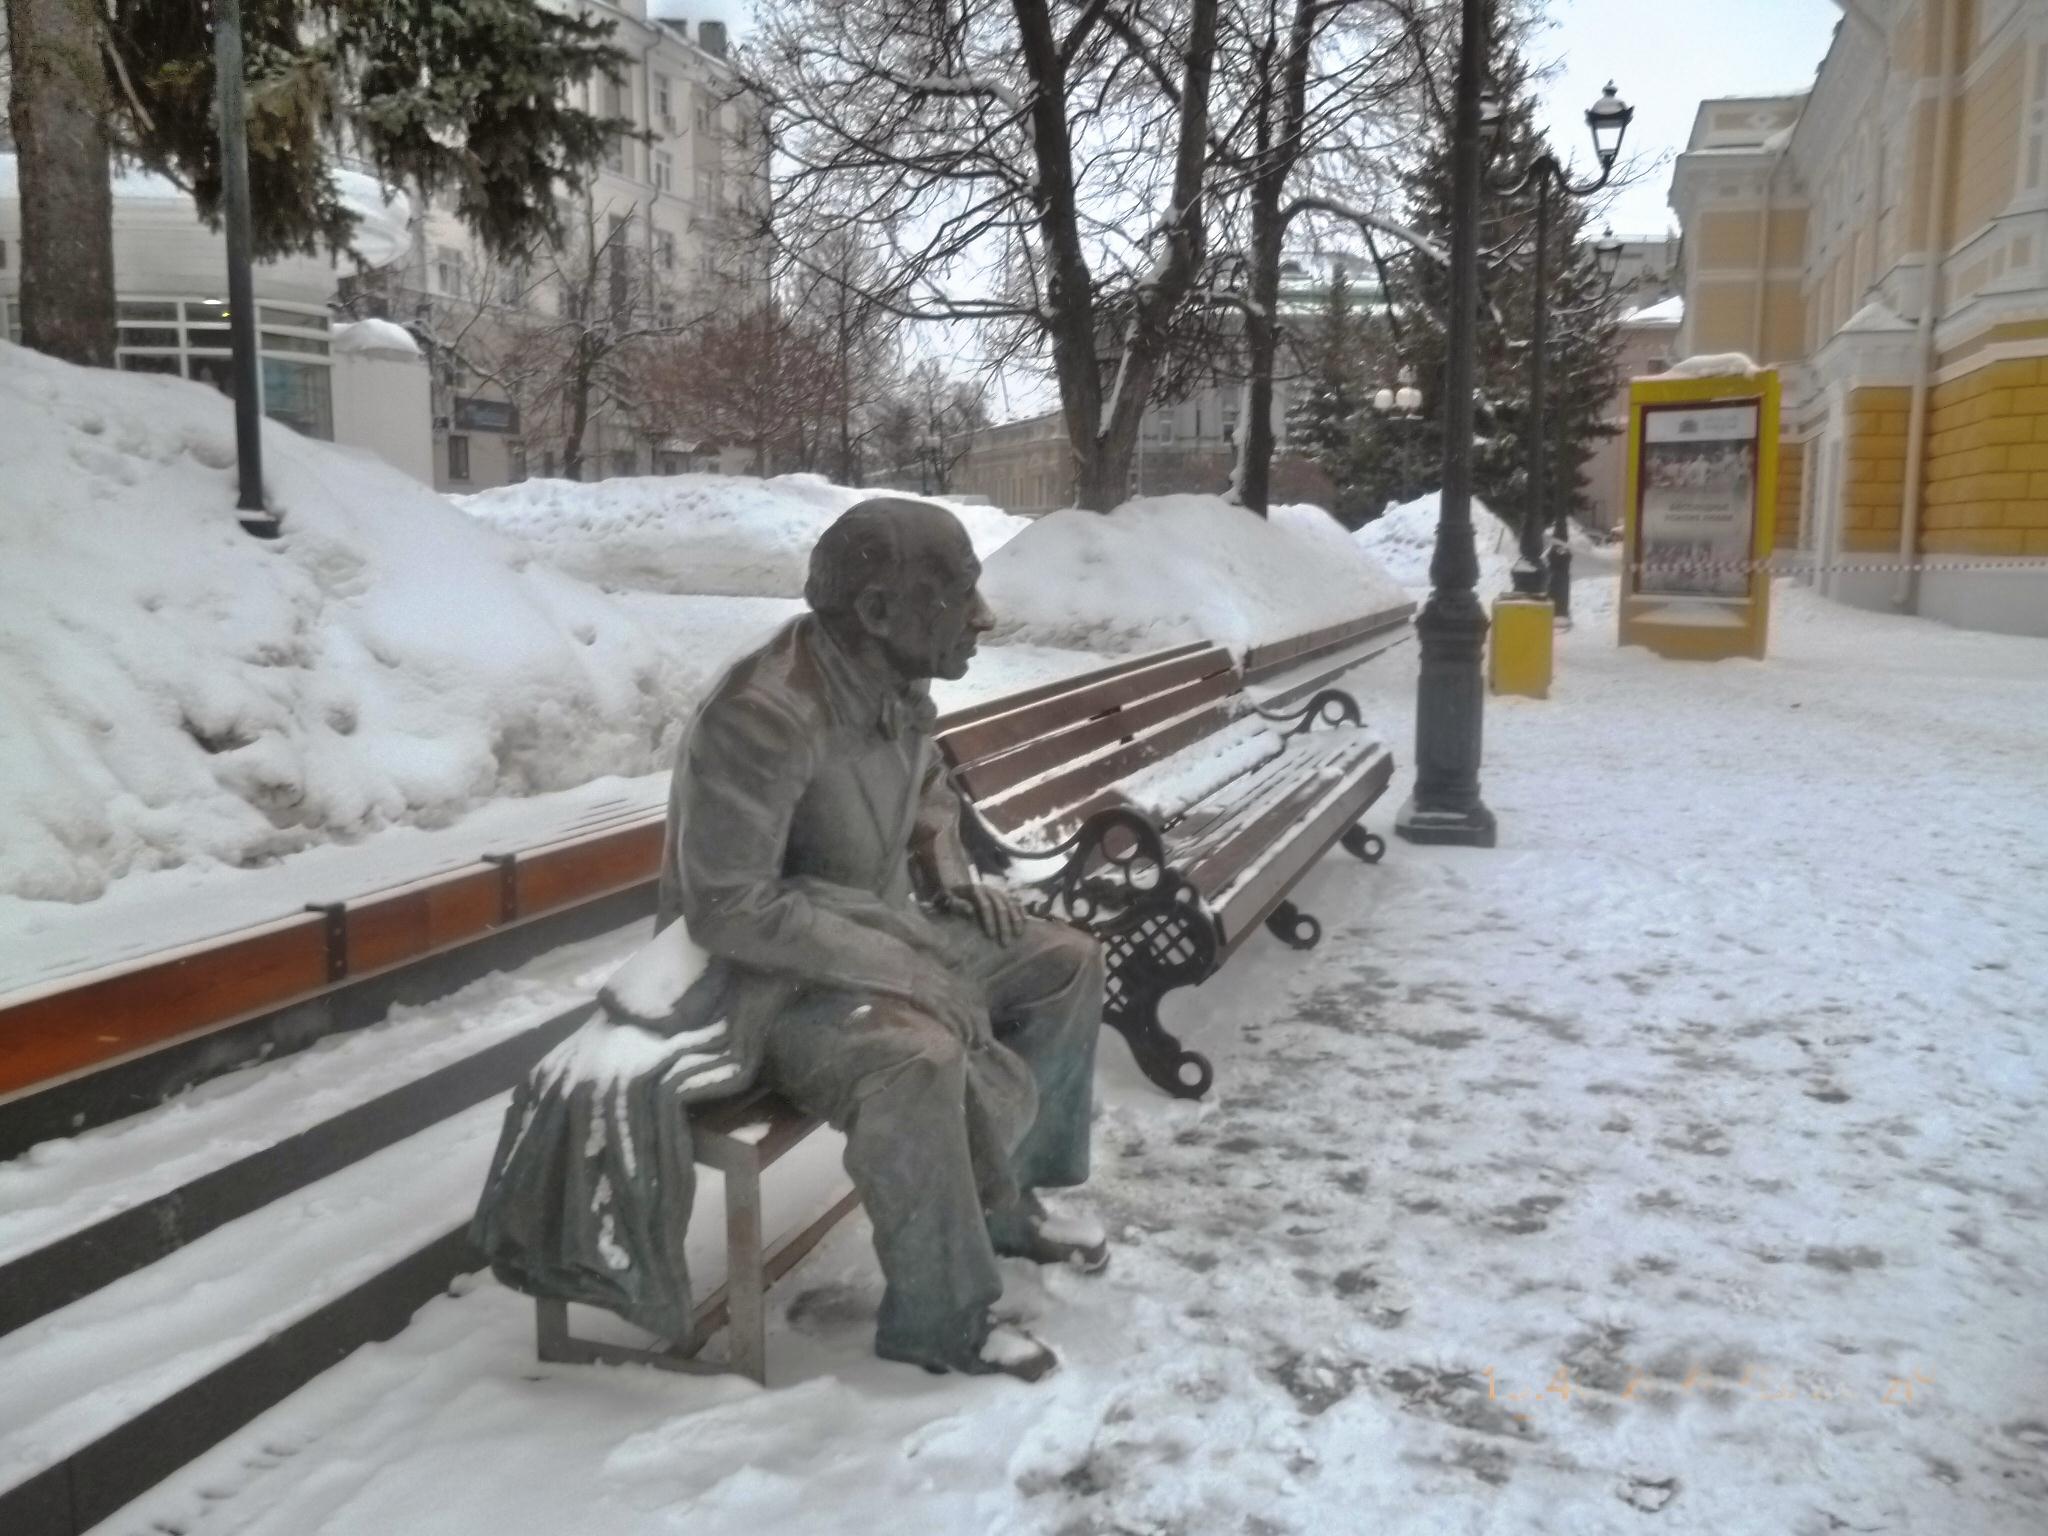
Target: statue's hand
1000,914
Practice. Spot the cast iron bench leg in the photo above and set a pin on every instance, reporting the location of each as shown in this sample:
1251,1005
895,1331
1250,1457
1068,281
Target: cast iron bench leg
1366,845
1159,1055
1294,927
1170,945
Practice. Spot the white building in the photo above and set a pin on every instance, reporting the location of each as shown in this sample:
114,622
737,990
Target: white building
170,273
667,213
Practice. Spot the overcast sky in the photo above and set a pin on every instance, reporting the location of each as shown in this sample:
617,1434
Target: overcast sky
1665,56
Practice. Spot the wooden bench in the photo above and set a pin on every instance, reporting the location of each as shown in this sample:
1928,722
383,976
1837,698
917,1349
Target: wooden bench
1162,810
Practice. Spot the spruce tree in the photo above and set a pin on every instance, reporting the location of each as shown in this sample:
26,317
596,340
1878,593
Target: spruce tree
467,100
1322,420
1583,338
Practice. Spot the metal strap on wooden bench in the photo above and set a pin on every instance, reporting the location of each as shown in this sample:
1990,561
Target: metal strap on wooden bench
1169,857
741,1138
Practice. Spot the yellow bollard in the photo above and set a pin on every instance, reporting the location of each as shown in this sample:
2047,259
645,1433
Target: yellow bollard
1520,661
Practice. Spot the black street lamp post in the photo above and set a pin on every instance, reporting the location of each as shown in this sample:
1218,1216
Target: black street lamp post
1609,119
255,517
1445,806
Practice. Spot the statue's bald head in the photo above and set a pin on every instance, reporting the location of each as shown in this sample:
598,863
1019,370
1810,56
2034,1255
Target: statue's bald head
898,576
885,541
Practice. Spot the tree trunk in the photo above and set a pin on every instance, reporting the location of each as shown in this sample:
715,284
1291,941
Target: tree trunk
57,115
1275,167
579,411
1262,351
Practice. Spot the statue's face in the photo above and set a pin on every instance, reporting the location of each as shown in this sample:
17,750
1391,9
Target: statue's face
929,624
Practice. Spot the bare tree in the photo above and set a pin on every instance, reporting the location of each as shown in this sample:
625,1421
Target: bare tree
833,293
752,374
1008,158
1314,100
929,421
566,333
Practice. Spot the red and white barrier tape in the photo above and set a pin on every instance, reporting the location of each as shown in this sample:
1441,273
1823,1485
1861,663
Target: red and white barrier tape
1793,565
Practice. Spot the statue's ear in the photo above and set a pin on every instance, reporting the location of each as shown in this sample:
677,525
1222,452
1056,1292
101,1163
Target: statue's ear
872,608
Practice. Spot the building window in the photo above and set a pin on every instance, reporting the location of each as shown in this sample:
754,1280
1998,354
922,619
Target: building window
458,458
663,108
515,461
625,461
704,112
664,171
615,154
189,338
705,188
665,247
447,272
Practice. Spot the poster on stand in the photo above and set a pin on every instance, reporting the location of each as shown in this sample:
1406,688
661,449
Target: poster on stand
1697,514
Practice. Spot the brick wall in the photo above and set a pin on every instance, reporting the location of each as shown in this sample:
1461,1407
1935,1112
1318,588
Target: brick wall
1987,462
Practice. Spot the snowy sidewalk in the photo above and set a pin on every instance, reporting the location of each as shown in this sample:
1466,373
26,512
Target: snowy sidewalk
1677,1167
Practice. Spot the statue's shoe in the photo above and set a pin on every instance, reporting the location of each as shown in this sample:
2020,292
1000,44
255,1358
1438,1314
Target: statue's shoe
1006,1351
1078,1241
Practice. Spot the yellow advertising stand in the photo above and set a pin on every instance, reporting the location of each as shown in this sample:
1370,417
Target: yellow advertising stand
1702,497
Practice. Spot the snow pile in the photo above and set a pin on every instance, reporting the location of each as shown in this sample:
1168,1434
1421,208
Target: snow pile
1669,311
1163,570
373,338
1403,539
1713,365
173,691
723,535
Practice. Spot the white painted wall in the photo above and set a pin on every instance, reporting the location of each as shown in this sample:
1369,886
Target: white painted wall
383,404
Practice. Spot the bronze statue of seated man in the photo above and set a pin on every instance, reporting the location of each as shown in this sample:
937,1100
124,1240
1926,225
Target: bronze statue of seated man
852,962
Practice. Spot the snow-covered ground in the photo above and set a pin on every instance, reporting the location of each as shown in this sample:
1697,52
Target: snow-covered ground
1676,1167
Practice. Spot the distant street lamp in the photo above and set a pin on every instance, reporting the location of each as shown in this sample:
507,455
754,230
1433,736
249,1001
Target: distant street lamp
1608,118
1401,404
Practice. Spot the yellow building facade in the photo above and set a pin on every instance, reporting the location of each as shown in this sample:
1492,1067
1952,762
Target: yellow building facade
1882,240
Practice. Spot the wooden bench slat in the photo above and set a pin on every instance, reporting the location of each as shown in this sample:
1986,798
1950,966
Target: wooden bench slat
1276,655
1006,703
1062,792
988,778
978,741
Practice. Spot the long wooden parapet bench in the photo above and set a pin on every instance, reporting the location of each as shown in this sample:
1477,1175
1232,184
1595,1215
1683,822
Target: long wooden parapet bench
80,1051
